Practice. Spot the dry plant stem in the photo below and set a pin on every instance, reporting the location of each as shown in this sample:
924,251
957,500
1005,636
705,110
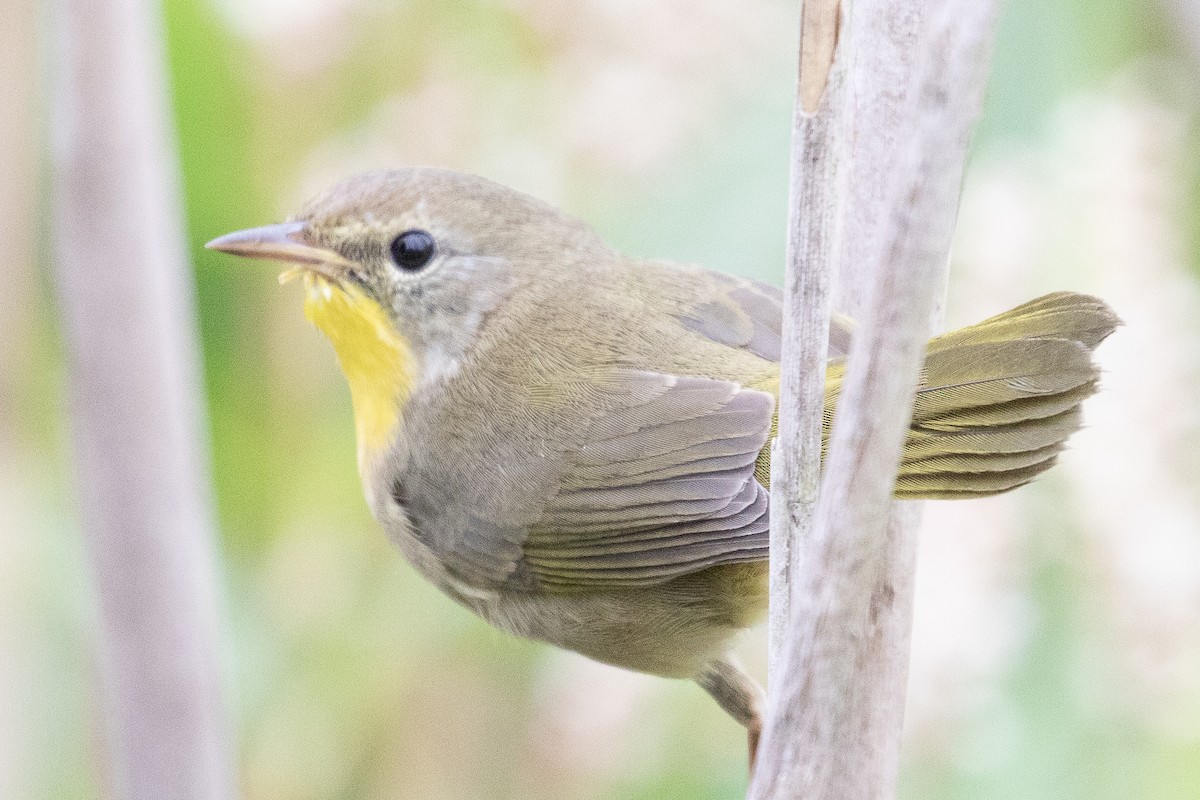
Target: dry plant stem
820,23
878,119
795,468
817,741
883,39
144,499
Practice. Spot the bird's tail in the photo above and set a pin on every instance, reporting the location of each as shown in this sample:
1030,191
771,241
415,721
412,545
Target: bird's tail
999,399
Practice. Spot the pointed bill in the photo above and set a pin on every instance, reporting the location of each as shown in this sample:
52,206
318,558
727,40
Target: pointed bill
284,241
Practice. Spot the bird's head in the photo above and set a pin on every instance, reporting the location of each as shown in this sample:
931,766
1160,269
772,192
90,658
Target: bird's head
402,267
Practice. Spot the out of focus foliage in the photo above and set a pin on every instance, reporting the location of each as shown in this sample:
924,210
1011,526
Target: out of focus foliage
1057,651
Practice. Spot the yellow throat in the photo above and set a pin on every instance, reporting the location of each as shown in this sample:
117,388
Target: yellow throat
377,361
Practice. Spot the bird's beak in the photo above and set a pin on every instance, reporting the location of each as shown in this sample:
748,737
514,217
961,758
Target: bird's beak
286,241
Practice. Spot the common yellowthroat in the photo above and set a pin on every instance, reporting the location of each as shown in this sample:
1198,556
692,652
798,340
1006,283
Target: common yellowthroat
573,443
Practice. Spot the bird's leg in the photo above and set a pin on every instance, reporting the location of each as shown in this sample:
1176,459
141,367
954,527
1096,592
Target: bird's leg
753,734
737,693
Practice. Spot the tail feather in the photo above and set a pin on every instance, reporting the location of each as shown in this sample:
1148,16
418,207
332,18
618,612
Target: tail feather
1012,412
1059,315
981,442
999,399
995,373
974,484
992,462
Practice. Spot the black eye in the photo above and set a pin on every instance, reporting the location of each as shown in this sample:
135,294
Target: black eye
412,250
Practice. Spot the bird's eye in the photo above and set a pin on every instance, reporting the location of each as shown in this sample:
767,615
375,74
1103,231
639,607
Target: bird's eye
412,250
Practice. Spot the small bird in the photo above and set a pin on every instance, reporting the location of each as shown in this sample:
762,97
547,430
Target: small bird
573,443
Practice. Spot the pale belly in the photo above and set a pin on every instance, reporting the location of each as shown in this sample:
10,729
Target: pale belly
673,629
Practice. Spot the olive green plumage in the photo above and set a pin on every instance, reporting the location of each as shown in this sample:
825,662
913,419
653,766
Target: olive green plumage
579,452
999,399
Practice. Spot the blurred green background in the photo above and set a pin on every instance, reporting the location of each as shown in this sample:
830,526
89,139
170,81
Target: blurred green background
1057,643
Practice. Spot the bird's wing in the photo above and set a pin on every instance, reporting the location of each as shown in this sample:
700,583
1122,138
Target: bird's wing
658,489
653,481
744,313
